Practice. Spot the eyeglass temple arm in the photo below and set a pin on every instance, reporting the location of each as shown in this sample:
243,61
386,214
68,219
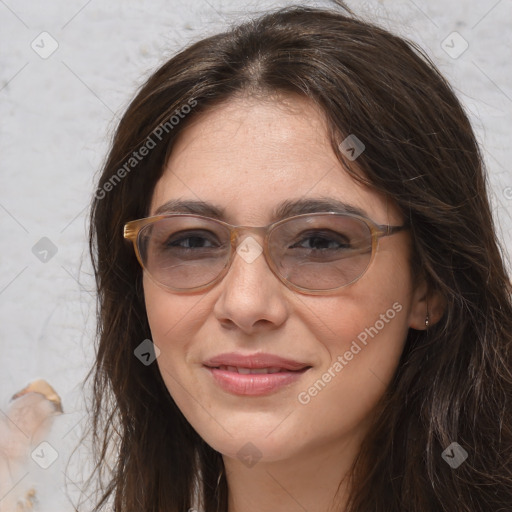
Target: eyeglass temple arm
391,230
130,231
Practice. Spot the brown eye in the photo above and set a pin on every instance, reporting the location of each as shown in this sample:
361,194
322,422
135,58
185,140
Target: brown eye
321,240
193,240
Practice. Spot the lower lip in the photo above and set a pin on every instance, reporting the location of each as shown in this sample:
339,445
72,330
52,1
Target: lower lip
253,384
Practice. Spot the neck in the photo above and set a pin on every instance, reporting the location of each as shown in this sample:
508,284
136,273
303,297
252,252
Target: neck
314,480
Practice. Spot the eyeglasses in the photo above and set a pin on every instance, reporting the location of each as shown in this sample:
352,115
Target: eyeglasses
316,253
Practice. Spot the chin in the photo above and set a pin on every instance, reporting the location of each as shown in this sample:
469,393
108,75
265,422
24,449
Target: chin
253,435
252,449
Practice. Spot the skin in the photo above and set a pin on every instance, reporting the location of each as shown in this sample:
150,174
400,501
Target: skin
247,156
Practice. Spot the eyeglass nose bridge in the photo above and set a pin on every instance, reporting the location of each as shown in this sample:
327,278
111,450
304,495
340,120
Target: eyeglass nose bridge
245,245
236,233
240,235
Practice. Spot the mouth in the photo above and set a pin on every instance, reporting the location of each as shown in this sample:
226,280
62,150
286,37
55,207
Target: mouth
254,375
252,371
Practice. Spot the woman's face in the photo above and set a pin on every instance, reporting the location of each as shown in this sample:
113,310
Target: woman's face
247,157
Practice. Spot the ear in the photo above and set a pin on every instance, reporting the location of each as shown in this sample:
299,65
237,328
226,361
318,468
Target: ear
426,304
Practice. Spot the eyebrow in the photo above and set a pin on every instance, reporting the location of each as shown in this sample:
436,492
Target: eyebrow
287,208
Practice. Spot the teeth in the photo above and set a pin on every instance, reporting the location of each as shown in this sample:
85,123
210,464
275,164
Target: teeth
257,370
247,371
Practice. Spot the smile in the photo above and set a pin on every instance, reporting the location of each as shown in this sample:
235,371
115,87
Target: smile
247,371
254,375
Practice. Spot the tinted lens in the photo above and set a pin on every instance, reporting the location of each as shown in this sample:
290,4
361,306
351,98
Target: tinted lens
316,252
184,252
321,252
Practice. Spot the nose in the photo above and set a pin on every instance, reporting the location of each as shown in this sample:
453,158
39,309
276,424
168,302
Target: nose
252,298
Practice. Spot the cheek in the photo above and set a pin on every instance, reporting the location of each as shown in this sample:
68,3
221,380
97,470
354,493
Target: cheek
362,355
174,321
171,315
376,309
361,344
362,335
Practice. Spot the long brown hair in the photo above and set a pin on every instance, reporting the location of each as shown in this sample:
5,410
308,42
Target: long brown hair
453,383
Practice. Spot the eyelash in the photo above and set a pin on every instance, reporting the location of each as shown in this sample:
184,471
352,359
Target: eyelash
303,237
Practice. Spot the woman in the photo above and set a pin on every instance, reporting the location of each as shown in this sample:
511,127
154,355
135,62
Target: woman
293,221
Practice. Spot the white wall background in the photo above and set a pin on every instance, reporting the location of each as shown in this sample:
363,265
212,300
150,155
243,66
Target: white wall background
58,113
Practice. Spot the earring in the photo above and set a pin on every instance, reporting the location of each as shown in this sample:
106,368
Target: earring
427,321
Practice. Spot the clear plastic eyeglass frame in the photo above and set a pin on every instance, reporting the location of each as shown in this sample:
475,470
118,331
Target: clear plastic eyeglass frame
133,229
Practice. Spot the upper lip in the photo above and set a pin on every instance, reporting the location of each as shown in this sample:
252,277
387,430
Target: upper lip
259,360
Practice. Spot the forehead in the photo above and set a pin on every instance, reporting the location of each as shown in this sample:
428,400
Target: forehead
249,156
